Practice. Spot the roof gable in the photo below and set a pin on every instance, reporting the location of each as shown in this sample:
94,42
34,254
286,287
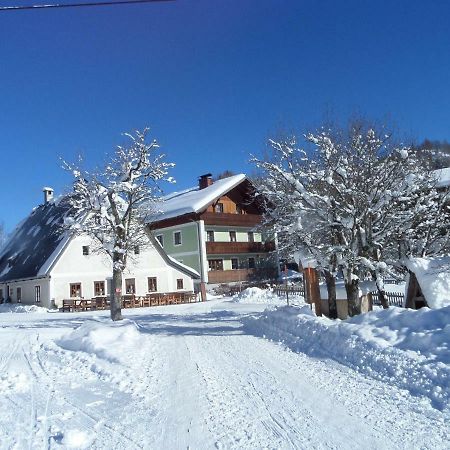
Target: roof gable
195,200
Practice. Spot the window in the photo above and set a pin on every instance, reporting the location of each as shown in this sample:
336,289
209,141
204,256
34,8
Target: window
160,239
75,289
177,238
137,250
152,284
232,236
1,295
180,283
210,236
37,294
238,209
85,249
251,263
10,292
218,208
130,286
215,264
19,294
99,288
234,263
251,236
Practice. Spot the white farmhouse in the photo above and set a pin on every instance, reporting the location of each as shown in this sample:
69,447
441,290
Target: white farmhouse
43,264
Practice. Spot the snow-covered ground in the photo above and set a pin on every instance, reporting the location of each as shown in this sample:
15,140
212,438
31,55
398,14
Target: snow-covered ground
228,373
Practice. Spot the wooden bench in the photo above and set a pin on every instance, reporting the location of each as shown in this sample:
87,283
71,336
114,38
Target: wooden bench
67,305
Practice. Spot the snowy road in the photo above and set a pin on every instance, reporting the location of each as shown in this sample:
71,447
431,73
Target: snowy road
194,379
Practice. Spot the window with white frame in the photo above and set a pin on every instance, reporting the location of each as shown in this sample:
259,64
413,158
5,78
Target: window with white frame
210,236
37,294
232,236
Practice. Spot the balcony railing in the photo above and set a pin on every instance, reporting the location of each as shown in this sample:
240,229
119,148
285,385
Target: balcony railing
227,276
236,220
230,248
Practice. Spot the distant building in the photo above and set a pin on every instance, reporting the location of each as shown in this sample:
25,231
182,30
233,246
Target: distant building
214,228
43,264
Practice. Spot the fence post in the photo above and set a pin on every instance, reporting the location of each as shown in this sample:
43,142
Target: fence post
313,289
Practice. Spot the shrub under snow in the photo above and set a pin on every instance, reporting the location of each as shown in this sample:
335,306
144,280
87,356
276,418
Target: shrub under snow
106,340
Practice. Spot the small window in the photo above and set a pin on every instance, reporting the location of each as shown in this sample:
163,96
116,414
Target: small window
85,249
160,239
152,284
177,238
210,236
130,286
99,288
238,209
75,289
137,250
251,236
37,294
232,236
215,264
1,295
234,263
19,294
218,208
180,283
251,263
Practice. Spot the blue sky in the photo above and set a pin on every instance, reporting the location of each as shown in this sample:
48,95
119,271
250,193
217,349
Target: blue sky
213,79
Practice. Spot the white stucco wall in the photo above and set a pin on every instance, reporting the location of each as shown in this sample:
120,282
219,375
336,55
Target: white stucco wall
28,291
74,267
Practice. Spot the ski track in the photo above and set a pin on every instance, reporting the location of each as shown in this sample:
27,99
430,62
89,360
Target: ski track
196,381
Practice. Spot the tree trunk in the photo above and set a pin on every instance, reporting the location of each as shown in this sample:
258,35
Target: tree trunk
116,295
354,302
330,280
383,299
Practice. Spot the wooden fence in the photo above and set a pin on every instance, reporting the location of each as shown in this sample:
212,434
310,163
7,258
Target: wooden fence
394,298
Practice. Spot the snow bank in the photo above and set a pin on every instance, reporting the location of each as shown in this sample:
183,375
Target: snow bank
408,348
15,308
105,340
433,275
264,296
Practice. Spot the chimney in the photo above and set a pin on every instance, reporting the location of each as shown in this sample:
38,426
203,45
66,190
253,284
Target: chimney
204,181
48,194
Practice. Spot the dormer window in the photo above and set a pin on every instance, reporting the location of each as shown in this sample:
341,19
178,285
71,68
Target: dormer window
85,250
218,208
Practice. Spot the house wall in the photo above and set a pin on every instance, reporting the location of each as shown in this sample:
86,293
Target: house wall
28,291
188,251
74,267
222,234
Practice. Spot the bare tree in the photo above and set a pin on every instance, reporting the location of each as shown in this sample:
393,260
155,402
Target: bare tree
113,204
355,200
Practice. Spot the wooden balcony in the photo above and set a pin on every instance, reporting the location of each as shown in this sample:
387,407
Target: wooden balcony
231,220
232,248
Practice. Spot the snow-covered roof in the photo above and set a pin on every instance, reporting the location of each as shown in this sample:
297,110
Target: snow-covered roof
33,242
433,275
194,200
443,177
